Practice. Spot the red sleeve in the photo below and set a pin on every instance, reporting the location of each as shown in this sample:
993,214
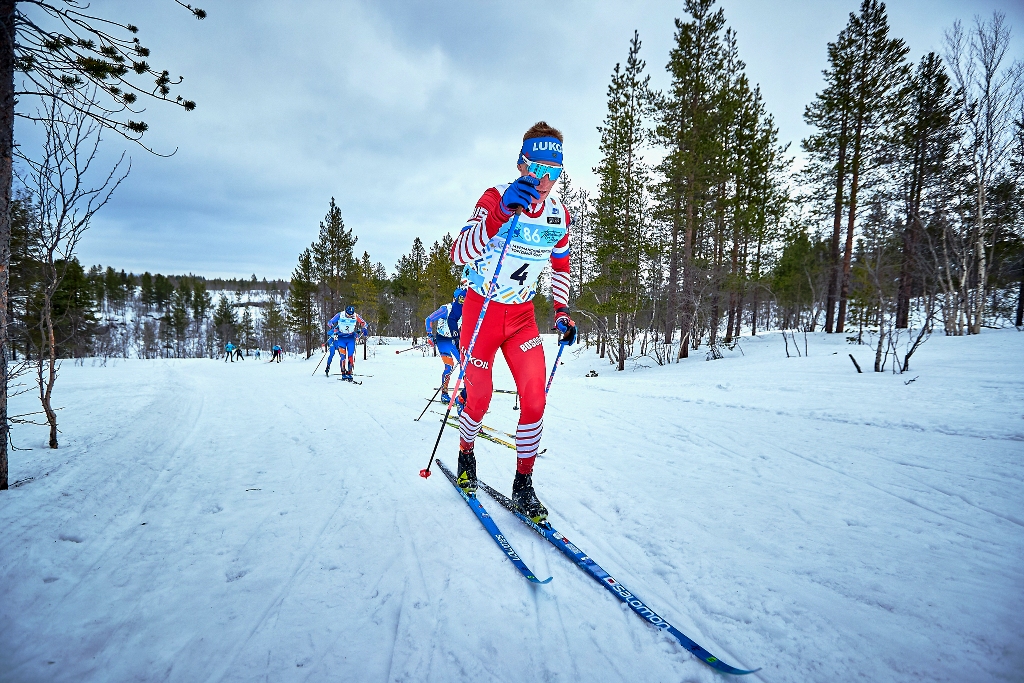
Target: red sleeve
560,268
488,217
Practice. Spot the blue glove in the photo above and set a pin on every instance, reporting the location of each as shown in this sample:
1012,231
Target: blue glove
565,325
521,193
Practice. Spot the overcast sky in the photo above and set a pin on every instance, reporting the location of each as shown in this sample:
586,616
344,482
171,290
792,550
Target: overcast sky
406,111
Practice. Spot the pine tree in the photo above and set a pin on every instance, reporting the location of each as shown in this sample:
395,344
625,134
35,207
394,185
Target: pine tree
828,151
440,276
246,331
690,129
368,292
408,288
225,323
301,305
146,295
274,326
924,140
177,317
162,290
620,209
333,261
879,73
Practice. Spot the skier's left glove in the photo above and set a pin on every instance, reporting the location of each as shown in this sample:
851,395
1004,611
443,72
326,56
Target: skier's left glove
565,326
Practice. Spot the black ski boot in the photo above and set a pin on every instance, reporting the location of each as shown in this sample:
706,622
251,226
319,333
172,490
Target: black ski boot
327,371
525,498
466,478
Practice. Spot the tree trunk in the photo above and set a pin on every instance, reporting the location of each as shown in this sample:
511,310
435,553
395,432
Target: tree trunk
979,306
673,278
622,344
687,320
7,33
837,227
1020,298
844,291
51,378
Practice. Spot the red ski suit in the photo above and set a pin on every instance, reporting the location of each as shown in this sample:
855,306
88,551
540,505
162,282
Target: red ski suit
542,237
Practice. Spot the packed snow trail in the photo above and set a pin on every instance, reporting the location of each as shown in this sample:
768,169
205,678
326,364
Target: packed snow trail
205,521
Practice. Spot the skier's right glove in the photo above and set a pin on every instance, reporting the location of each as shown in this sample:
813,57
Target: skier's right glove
566,327
521,194
431,341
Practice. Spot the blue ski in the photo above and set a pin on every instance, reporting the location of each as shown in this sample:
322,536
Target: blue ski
492,528
583,561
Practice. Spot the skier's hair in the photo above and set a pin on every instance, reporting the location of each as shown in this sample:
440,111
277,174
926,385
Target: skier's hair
541,129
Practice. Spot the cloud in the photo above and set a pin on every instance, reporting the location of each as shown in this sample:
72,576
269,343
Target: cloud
403,111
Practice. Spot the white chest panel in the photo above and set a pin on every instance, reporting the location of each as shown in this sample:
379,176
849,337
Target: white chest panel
528,253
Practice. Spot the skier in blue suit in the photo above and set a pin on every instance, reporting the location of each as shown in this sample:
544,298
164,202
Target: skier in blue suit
443,332
342,331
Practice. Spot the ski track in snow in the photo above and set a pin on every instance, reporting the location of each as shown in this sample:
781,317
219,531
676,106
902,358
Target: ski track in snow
209,521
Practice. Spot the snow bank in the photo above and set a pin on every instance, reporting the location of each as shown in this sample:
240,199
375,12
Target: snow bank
210,521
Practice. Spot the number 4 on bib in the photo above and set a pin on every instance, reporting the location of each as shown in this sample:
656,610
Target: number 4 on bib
521,274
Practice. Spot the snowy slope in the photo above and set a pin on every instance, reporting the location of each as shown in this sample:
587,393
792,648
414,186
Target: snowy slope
208,521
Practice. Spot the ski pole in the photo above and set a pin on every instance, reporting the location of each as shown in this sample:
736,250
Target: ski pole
322,356
428,404
491,287
561,347
411,348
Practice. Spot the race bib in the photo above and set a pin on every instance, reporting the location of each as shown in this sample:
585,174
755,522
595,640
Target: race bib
347,326
527,255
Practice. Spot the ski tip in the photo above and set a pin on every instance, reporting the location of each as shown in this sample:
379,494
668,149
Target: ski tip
741,672
534,579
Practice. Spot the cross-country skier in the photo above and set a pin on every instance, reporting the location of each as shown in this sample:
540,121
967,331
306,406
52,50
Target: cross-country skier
257,353
238,353
277,354
542,235
229,352
344,327
443,332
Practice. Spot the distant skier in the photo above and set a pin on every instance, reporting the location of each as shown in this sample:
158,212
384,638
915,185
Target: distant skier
344,328
238,353
277,354
542,236
229,352
443,332
257,354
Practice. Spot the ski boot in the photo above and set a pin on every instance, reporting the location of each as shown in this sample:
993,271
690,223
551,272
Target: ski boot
327,371
445,398
525,498
466,478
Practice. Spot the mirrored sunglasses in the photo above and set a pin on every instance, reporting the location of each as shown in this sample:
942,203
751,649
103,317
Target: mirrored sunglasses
540,170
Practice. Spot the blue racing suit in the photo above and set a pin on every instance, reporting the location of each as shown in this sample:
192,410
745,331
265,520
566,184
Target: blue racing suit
341,336
443,328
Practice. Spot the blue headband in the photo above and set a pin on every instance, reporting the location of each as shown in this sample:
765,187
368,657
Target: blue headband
541,149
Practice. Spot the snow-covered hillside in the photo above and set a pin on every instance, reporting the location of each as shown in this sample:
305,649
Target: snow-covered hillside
209,521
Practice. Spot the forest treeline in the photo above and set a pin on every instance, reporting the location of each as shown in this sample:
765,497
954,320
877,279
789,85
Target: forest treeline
904,217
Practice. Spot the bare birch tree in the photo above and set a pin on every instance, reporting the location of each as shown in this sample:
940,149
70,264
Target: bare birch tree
59,181
992,92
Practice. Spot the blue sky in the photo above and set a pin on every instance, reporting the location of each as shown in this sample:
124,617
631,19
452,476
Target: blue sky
406,111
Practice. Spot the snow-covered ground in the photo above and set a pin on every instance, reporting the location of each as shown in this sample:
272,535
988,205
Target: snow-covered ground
209,521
